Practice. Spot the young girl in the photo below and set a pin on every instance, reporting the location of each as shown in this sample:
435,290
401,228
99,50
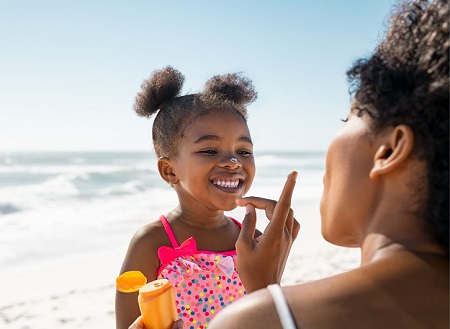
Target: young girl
205,153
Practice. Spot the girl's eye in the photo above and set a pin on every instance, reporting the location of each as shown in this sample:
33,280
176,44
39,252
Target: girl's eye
244,152
210,152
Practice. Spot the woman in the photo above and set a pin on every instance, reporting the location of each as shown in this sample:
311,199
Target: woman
385,191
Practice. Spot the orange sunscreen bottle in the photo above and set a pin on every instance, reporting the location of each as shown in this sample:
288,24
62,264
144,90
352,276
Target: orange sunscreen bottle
156,299
157,304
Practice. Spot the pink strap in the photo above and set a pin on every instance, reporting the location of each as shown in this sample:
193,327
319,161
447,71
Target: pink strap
169,232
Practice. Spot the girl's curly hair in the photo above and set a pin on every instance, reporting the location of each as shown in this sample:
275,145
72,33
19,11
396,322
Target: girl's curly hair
406,81
161,91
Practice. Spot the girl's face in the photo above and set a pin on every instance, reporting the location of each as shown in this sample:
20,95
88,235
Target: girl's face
347,195
207,174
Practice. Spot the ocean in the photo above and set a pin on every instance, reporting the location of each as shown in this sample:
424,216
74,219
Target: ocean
61,204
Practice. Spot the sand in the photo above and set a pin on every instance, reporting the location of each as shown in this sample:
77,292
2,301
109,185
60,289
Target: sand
78,292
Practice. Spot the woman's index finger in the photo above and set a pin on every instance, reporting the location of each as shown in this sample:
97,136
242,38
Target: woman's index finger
288,189
283,205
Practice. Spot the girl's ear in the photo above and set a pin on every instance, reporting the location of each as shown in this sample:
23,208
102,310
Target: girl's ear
166,171
393,152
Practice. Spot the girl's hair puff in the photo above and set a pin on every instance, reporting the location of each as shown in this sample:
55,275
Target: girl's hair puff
233,87
161,91
162,86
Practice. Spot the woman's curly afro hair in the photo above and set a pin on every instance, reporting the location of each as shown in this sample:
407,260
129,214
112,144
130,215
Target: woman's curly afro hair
406,81
161,92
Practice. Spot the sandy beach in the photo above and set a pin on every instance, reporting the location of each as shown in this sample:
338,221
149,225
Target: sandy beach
78,292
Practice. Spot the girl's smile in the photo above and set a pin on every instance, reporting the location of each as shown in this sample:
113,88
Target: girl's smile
227,184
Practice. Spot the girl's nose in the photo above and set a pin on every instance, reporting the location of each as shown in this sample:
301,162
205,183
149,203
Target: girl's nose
232,162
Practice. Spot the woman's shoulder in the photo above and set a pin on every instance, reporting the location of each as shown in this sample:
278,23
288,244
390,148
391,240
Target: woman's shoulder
255,310
307,302
406,295
405,292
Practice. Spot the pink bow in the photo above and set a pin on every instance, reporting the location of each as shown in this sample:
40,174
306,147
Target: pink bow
167,254
226,264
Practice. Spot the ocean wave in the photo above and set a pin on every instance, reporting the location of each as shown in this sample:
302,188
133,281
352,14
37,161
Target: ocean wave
61,169
53,190
62,188
131,187
8,208
313,161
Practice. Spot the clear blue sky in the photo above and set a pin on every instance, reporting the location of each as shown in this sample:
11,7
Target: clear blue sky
69,70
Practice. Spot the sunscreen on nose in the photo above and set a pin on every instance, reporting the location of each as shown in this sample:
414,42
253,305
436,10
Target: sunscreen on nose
156,299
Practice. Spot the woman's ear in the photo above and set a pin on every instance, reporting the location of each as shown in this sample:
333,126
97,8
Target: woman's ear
166,171
393,152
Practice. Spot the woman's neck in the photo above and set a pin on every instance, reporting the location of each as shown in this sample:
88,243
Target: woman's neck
378,246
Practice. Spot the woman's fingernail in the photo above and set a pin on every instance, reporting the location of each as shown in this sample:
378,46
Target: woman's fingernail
249,208
293,175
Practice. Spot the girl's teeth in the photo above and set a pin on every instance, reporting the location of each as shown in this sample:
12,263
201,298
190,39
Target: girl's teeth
229,184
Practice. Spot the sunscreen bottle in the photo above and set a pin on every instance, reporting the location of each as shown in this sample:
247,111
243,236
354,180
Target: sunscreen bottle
157,304
156,299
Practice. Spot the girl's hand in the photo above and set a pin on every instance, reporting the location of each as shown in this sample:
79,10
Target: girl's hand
261,260
139,324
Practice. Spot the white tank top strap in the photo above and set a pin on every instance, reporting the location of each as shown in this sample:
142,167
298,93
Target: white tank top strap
284,313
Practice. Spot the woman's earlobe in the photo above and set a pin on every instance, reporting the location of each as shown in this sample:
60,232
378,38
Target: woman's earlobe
394,151
166,171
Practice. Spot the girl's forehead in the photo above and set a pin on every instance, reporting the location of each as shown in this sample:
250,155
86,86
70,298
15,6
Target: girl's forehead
219,116
218,113
217,123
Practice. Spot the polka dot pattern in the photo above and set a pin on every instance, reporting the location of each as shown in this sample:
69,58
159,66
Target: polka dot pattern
204,283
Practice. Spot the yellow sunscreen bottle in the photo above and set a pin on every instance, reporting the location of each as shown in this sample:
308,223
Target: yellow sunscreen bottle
156,299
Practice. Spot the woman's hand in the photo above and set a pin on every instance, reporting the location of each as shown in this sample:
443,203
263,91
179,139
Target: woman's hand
139,324
261,260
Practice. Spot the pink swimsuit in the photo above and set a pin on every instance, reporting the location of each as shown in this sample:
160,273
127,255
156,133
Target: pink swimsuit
204,281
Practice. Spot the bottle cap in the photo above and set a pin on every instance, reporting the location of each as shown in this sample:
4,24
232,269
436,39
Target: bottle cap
130,281
155,287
